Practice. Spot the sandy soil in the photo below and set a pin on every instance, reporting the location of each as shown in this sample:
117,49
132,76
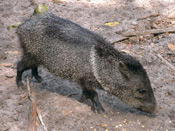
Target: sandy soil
58,99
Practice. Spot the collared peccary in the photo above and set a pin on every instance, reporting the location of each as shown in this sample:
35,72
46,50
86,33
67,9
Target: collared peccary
72,52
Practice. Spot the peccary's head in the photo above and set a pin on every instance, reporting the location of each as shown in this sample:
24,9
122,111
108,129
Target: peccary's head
124,77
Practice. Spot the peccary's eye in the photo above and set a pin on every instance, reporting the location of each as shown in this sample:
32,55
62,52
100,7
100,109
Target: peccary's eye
142,91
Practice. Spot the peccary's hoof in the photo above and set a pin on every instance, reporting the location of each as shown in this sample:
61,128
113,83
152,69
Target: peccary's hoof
82,99
97,109
38,78
20,84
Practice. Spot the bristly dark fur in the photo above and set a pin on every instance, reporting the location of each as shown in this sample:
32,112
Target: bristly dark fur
132,64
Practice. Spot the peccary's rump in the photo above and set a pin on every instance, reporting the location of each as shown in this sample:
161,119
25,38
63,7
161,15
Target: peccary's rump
69,51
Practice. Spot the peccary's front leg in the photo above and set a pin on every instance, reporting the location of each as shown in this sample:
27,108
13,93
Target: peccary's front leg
35,74
95,101
90,93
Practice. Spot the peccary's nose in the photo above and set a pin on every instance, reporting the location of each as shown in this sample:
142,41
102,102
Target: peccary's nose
150,108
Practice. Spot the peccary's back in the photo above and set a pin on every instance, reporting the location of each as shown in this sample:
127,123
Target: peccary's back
60,45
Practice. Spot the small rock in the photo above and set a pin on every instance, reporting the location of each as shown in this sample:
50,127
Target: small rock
134,23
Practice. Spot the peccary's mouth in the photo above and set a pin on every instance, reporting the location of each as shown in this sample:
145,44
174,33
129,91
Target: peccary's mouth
149,108
139,108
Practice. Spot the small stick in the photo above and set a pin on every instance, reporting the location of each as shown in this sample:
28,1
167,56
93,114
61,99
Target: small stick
152,31
33,109
6,64
32,2
148,16
166,62
33,98
40,118
28,88
120,40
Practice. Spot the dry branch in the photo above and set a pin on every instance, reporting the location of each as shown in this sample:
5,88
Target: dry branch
148,16
120,40
6,64
166,62
152,31
28,88
41,120
33,110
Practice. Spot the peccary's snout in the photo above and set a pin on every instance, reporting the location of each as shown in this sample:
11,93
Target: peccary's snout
150,107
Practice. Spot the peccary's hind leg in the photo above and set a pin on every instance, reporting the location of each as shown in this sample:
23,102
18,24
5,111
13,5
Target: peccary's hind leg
27,62
35,74
21,67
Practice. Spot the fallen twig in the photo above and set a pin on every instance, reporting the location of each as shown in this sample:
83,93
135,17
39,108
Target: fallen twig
148,16
34,110
6,64
166,62
152,31
41,120
120,40
28,88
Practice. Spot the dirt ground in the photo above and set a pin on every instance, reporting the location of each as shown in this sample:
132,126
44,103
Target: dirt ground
58,99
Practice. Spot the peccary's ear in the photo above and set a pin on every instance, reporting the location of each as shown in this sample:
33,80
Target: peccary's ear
100,51
124,70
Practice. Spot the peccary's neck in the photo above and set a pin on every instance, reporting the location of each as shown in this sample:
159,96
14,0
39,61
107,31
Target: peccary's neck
104,61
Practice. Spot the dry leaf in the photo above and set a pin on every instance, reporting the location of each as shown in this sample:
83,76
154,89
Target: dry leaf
37,123
106,116
66,112
154,25
19,103
59,1
129,45
112,23
126,51
171,47
162,50
154,46
167,33
13,52
104,125
13,26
